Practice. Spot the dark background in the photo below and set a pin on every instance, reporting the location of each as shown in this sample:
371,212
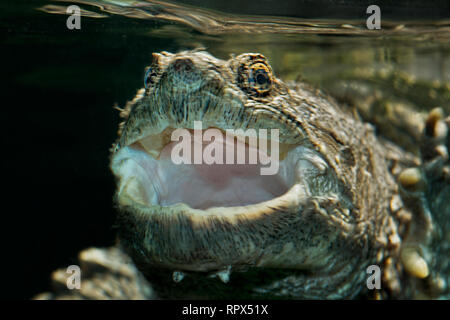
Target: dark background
58,88
58,123
330,9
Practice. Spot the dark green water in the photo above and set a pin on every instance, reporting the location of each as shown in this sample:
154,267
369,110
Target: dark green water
59,87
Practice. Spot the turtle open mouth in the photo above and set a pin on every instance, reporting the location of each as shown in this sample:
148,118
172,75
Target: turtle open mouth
221,172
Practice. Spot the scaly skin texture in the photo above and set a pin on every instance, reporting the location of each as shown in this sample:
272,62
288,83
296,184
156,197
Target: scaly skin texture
350,214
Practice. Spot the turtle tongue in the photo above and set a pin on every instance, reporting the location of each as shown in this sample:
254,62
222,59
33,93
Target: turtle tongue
222,172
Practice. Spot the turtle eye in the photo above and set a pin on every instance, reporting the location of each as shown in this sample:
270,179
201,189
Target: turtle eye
149,77
259,78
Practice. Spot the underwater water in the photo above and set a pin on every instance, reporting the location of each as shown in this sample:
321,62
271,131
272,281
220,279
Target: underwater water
60,85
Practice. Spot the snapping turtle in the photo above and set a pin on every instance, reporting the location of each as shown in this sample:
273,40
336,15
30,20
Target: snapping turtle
345,201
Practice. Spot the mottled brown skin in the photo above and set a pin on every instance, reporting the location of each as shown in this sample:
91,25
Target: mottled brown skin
355,214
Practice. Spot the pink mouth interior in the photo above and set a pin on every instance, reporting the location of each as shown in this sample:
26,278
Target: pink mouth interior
202,186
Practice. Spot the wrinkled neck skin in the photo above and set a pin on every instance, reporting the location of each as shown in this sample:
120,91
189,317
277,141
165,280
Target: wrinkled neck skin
312,238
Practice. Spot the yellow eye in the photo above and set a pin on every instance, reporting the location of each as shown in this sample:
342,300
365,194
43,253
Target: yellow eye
259,78
253,74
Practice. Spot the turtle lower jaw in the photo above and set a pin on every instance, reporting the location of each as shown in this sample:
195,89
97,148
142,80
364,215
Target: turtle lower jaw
289,200
200,217
213,189
181,238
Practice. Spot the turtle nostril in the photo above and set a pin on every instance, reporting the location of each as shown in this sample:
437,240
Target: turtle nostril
183,64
